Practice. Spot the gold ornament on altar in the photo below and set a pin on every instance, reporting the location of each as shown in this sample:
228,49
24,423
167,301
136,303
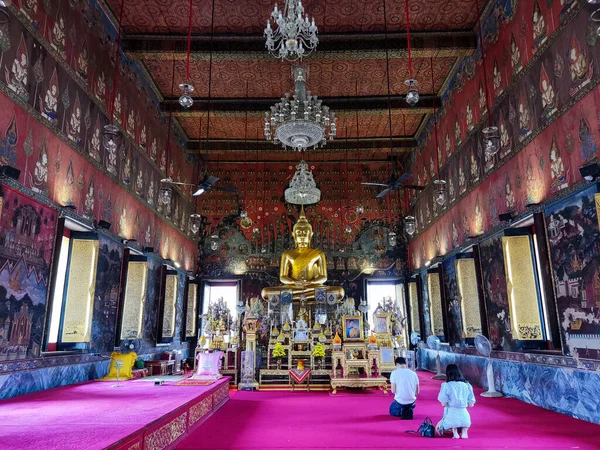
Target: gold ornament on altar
300,365
337,340
304,268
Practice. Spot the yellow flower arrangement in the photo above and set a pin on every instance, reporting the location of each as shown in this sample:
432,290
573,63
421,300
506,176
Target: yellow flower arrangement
319,350
278,351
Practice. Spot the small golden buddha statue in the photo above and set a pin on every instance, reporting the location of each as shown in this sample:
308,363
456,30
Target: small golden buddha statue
304,268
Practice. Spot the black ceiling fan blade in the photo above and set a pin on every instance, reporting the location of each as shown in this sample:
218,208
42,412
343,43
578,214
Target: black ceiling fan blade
374,184
383,193
403,178
212,180
413,186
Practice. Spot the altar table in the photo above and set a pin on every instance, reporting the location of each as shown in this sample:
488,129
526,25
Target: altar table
299,376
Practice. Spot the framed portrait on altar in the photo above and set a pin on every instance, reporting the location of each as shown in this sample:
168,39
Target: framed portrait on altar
286,297
382,323
387,355
320,295
353,328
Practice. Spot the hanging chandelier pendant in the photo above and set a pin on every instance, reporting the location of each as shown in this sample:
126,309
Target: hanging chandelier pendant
300,121
293,35
303,189
186,99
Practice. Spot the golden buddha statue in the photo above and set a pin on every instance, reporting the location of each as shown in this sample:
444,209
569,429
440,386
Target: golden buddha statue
304,268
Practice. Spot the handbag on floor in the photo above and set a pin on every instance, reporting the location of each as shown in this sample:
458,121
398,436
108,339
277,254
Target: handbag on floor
426,429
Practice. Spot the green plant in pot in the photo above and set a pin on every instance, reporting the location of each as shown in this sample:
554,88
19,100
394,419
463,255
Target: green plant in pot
278,353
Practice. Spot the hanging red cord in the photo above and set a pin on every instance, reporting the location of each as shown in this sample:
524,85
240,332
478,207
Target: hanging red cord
189,44
485,80
170,122
117,48
435,130
410,72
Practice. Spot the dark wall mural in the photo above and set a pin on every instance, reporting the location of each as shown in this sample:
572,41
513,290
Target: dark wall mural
453,313
574,236
108,281
495,293
27,230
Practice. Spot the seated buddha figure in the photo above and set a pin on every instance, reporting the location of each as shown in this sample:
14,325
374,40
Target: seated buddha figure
304,268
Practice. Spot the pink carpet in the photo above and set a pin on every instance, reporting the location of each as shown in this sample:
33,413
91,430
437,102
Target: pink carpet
299,420
90,415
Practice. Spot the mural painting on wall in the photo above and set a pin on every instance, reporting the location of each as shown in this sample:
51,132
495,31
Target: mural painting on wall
54,135
108,281
455,333
495,293
574,236
27,231
537,117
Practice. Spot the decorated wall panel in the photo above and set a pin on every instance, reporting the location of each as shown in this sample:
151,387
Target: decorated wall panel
191,315
27,230
133,301
54,108
80,292
468,297
454,317
495,293
108,282
170,306
413,299
575,253
426,304
526,320
434,288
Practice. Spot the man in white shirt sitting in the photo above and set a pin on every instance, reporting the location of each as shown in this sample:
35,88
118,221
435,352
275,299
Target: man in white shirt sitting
405,387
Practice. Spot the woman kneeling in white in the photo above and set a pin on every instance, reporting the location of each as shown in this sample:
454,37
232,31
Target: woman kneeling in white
455,395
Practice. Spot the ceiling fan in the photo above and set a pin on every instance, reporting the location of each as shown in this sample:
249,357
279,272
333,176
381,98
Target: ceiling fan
206,184
396,183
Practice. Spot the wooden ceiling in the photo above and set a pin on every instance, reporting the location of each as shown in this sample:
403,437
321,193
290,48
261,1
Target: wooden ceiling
236,80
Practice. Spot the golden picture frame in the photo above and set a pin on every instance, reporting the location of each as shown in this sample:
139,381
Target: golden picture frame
353,328
382,323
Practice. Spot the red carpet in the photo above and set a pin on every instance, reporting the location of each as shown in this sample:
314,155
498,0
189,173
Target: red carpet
94,415
316,420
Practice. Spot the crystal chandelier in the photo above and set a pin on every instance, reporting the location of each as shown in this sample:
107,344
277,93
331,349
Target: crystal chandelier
292,35
300,122
392,238
303,189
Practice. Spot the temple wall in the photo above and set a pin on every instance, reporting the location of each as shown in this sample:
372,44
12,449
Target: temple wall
543,78
57,66
567,390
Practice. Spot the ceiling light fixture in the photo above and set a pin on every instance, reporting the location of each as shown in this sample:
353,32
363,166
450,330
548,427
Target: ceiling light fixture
186,99
166,192
293,35
303,188
412,96
299,122
441,191
111,138
491,137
